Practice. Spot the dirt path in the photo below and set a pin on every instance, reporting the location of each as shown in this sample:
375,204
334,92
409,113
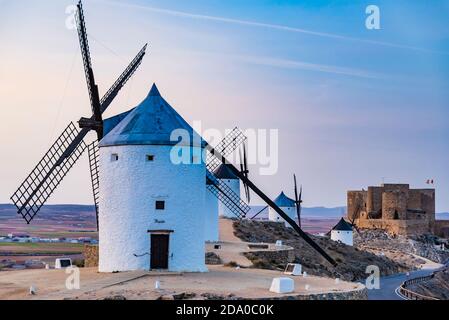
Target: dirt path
226,230
232,248
220,281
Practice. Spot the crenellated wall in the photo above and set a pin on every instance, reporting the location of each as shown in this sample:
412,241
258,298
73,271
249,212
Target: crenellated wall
393,207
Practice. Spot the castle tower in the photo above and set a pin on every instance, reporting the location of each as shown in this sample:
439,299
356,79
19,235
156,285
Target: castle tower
226,176
151,191
287,205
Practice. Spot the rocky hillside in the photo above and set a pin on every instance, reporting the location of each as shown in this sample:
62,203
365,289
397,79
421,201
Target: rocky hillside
352,262
426,246
438,287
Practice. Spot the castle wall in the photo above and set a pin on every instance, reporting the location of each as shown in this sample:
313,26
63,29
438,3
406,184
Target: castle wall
356,199
442,228
374,202
396,227
414,199
394,205
395,208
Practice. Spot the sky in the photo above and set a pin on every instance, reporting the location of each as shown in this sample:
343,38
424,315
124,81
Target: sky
353,107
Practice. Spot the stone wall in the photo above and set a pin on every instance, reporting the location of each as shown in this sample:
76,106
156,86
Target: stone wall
90,254
394,205
397,227
359,294
394,208
356,199
442,228
374,201
273,259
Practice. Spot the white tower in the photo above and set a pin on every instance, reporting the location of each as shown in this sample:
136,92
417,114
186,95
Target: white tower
225,175
342,232
211,217
287,205
151,191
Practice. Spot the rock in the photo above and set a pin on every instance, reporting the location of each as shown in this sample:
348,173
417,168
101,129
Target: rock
184,295
213,259
116,297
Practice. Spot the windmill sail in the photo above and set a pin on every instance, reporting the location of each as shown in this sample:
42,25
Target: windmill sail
218,188
94,153
269,202
53,167
49,172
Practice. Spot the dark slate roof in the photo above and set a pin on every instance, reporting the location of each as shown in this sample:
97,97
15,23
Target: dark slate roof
150,123
283,201
223,172
342,225
110,123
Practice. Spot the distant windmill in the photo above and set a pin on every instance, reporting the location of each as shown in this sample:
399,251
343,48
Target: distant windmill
67,149
298,200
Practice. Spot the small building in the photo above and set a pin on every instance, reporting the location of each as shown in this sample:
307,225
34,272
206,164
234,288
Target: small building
211,217
285,204
152,191
226,176
342,232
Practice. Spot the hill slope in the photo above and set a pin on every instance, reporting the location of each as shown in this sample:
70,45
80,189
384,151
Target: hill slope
352,262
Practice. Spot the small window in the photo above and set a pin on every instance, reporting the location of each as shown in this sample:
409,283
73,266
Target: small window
160,205
114,157
150,157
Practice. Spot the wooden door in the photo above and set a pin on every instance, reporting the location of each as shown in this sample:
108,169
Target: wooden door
159,251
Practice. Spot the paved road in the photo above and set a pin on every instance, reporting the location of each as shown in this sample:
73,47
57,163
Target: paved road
389,284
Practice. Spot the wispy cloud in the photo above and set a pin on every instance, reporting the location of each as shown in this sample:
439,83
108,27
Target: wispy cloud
295,64
268,26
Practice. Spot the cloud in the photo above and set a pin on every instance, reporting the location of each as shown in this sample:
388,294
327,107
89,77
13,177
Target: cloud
294,64
268,26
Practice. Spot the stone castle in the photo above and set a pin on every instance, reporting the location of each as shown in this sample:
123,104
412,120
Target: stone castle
394,208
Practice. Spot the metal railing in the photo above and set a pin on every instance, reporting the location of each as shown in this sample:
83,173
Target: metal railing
409,294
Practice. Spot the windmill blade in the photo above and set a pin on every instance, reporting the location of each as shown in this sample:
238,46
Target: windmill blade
226,196
242,169
218,188
259,212
226,146
357,211
300,205
49,172
245,162
269,202
122,79
91,85
297,201
94,154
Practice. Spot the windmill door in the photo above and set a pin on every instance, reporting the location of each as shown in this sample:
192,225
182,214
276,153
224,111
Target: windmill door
159,251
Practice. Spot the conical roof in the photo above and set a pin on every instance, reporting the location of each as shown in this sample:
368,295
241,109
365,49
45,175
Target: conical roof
152,122
283,201
342,225
223,172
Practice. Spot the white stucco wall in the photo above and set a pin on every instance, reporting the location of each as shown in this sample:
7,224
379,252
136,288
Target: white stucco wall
234,184
211,217
129,188
290,211
343,236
